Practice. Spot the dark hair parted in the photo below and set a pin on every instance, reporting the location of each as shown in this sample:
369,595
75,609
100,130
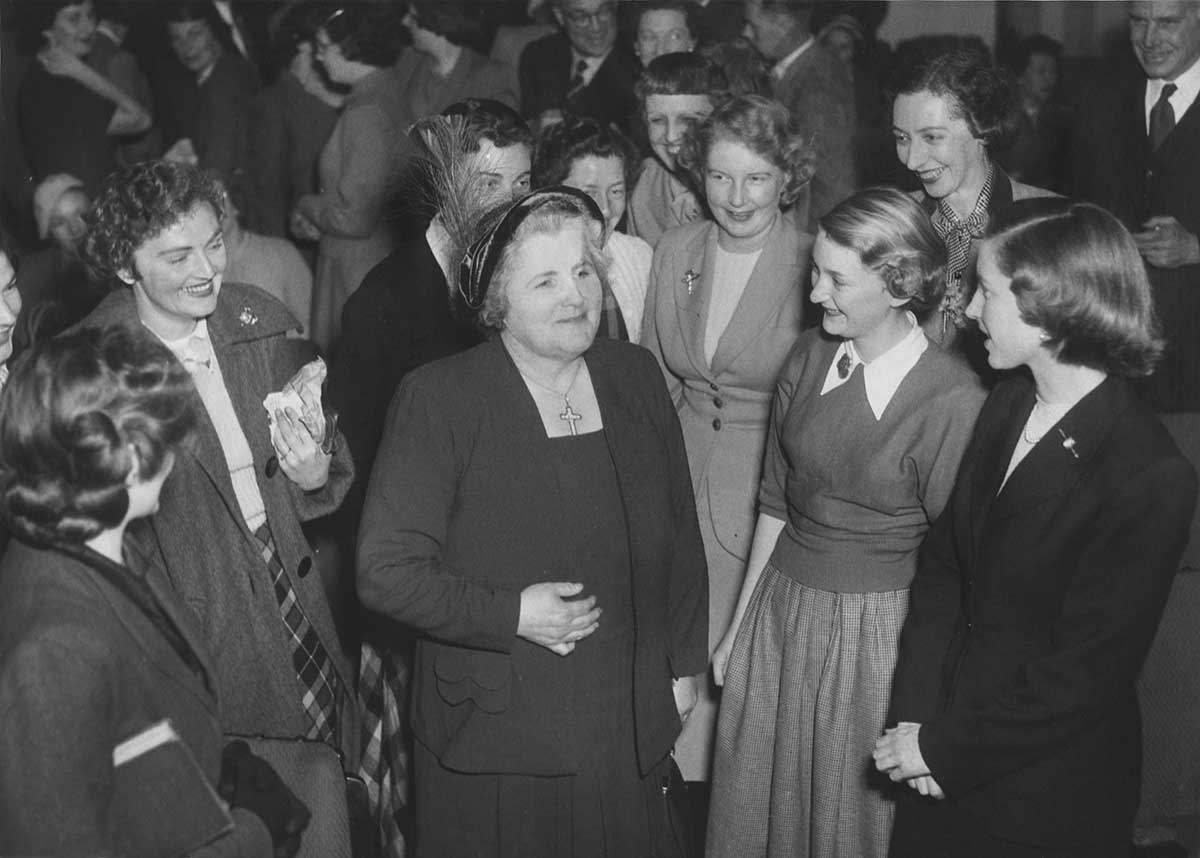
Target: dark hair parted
488,119
79,414
461,23
1077,274
977,92
746,70
560,145
369,33
681,74
762,125
894,237
137,204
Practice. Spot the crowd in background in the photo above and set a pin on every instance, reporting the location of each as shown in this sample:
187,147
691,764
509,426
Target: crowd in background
324,407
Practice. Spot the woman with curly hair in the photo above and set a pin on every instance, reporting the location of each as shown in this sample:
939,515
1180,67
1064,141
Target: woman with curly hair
229,531
96,650
599,160
948,110
868,424
724,307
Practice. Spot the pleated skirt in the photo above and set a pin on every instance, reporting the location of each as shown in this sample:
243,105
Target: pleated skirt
806,695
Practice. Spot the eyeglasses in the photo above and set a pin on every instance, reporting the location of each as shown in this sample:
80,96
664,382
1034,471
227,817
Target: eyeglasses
604,15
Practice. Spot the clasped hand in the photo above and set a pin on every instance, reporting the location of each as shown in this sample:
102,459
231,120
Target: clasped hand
1165,243
898,755
549,620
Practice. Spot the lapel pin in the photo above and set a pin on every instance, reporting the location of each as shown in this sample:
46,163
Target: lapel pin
689,280
247,317
1068,443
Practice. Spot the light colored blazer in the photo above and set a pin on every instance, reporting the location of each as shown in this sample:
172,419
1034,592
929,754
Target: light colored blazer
724,407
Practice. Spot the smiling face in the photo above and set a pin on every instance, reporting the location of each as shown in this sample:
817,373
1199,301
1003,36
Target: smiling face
857,304
73,28
668,120
1011,341
1165,35
552,295
503,172
602,179
10,306
178,274
935,142
194,44
590,25
743,190
663,31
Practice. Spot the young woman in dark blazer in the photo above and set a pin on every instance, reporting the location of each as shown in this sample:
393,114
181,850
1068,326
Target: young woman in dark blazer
1041,586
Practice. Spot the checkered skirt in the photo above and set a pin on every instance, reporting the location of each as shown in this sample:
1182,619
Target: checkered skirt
806,695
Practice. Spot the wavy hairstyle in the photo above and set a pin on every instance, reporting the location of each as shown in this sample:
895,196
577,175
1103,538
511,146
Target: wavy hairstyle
560,145
978,93
369,33
1077,274
79,413
137,204
894,237
681,74
762,125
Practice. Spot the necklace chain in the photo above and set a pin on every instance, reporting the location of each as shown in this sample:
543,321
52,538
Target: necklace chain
569,415
1053,415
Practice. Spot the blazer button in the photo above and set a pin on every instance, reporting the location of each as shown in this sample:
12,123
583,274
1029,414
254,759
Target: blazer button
719,402
271,467
305,567
713,386
717,423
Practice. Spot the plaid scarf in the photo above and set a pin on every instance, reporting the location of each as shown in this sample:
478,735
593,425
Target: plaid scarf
959,234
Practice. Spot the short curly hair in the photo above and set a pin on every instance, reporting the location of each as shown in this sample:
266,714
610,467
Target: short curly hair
1077,274
560,145
895,238
764,126
978,92
78,414
137,204
681,74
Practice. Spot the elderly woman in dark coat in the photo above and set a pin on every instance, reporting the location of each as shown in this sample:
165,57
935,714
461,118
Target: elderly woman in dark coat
531,513
229,528
97,652
1040,588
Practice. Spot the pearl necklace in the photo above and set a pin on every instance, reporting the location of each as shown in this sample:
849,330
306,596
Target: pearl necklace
1036,427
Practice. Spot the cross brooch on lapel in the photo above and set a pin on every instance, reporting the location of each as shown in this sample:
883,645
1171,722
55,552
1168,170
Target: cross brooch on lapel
689,280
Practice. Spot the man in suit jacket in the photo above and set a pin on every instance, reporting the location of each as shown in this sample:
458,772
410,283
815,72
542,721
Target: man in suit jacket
581,70
1153,188
816,88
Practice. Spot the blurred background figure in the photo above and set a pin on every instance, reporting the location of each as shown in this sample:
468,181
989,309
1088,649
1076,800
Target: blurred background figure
583,69
599,160
676,91
291,121
665,27
270,263
96,647
448,61
71,115
358,47
724,307
746,71
205,95
55,286
1037,150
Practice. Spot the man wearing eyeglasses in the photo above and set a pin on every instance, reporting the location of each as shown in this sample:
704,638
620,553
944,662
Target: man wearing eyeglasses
580,70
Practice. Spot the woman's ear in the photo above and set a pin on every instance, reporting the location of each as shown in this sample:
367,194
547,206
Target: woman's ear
126,276
134,476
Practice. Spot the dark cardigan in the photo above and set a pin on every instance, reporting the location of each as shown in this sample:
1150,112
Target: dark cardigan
459,500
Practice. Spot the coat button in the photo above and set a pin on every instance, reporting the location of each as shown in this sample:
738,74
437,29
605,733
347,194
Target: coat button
271,467
713,386
305,567
719,402
717,423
